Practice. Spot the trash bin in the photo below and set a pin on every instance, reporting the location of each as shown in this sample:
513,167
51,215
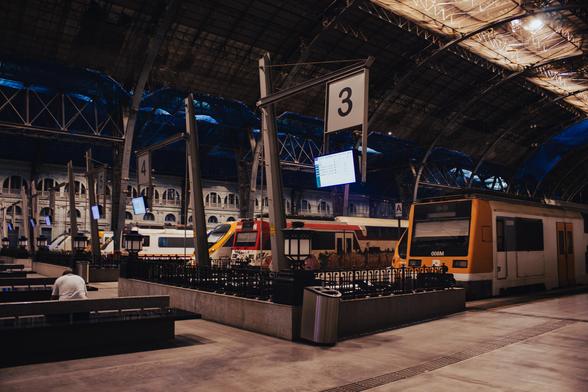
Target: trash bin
320,315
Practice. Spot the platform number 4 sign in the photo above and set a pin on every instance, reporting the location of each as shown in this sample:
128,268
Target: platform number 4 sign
144,169
346,103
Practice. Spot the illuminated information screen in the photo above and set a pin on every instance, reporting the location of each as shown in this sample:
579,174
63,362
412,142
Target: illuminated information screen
334,169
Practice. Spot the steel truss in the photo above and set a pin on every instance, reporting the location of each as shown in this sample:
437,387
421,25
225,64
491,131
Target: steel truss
32,112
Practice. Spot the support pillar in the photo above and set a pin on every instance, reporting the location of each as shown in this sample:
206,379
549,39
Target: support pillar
73,219
198,217
272,165
95,242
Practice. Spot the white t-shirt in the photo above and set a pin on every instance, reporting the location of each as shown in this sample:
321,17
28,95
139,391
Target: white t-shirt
70,286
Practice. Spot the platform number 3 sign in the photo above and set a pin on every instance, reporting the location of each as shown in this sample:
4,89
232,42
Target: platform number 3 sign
346,103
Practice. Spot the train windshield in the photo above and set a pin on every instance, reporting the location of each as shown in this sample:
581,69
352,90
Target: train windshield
246,239
441,229
217,233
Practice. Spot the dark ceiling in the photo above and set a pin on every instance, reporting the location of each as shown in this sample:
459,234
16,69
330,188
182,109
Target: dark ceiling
213,47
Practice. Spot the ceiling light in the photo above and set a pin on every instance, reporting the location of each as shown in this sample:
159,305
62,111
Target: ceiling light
389,133
534,25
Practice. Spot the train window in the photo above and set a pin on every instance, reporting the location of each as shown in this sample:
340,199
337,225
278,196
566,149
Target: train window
176,242
323,240
146,240
217,233
229,243
499,235
403,246
246,238
382,233
529,234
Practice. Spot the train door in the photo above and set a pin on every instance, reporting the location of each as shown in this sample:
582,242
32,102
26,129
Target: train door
505,246
340,239
565,254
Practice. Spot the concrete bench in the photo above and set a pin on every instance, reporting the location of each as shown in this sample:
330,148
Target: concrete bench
25,289
13,274
11,267
33,331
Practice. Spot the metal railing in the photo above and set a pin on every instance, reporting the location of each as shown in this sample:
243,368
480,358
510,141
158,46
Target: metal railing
385,281
17,253
252,282
243,281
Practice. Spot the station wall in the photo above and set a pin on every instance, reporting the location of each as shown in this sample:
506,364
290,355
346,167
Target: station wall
221,199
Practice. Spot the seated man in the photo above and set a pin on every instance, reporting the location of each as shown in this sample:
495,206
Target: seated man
69,286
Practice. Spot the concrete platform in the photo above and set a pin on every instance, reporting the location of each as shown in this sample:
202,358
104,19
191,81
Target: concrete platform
537,346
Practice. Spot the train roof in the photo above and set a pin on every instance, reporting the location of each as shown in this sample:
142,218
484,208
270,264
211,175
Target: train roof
491,196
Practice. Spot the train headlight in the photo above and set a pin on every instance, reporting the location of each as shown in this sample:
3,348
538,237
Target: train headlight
460,264
415,263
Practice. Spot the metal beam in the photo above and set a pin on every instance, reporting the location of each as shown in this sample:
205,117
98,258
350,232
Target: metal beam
298,89
397,86
326,22
542,103
94,240
155,43
194,163
274,176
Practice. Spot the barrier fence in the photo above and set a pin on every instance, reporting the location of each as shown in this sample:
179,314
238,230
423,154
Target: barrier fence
255,282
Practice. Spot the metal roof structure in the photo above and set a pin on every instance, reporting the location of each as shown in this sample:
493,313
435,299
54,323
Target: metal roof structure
494,79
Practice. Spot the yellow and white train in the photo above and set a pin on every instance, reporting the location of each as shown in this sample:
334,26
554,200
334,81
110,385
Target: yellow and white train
493,245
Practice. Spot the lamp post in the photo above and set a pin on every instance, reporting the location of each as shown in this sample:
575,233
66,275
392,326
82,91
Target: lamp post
42,242
288,285
80,241
23,242
133,243
297,246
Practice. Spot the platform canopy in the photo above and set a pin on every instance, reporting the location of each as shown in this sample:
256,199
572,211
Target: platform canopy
494,79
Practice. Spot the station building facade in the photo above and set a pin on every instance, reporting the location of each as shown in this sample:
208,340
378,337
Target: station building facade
221,199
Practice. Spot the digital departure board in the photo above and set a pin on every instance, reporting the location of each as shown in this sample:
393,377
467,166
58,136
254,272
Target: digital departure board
334,169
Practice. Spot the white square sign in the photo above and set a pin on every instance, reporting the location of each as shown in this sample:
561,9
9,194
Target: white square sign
398,210
346,103
144,169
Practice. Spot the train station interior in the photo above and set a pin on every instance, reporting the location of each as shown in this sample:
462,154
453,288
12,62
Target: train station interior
327,195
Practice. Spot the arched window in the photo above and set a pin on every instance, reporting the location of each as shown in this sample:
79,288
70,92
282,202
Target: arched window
265,202
212,219
304,206
148,217
213,199
232,200
102,211
230,219
352,208
13,184
170,218
132,191
128,215
106,190
171,196
190,219
45,185
324,208
17,210
79,187
288,205
155,193
256,202
46,211
78,214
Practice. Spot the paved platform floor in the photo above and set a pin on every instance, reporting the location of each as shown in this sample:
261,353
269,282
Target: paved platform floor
537,346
